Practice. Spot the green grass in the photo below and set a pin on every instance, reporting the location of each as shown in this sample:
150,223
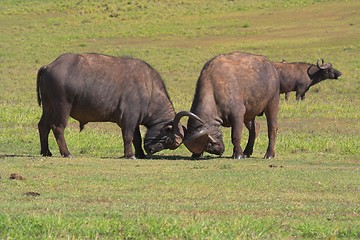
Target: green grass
181,199
309,191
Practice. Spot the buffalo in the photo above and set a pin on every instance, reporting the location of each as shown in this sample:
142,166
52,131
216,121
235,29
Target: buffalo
300,77
101,88
233,89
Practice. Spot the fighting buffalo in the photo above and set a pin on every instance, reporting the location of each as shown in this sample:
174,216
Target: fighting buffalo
232,90
101,88
300,77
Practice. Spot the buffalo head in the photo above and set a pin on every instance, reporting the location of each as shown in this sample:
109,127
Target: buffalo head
324,70
168,136
201,137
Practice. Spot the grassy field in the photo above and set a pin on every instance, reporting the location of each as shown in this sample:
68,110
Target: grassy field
309,191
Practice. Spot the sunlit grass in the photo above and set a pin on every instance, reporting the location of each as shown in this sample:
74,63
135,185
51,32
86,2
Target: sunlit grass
308,191
175,197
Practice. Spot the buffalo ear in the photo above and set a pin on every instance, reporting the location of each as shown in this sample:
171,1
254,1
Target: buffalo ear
312,70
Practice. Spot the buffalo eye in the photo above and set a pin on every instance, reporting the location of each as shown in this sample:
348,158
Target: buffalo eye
329,71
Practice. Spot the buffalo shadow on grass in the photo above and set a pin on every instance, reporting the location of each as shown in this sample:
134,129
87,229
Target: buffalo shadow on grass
18,156
178,157
203,158
165,158
154,157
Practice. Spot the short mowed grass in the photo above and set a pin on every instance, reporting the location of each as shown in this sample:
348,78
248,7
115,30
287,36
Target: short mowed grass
309,191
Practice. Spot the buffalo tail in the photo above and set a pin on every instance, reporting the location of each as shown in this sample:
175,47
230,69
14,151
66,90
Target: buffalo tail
38,84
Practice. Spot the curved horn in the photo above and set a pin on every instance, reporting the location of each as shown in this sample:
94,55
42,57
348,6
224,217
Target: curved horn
317,63
179,131
181,114
322,64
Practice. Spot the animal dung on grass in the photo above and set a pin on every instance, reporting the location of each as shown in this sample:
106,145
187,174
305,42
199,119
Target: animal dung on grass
16,176
275,166
32,194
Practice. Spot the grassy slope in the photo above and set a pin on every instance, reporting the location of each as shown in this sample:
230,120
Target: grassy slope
313,195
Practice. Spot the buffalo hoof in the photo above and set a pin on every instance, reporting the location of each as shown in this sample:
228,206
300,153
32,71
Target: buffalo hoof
46,153
270,153
68,156
139,156
196,156
238,156
247,153
269,156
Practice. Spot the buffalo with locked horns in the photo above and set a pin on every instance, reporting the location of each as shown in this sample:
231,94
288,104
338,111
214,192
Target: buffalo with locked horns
232,90
101,88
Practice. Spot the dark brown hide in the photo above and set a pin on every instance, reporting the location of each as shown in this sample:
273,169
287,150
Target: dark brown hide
300,77
100,88
232,90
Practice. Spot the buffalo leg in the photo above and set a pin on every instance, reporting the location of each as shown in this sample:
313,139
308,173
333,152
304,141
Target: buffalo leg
139,153
271,118
303,96
58,131
300,94
128,153
253,128
61,114
44,130
236,130
287,96
127,131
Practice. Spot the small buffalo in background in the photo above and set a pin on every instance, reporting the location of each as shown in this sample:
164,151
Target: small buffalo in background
101,88
232,90
300,76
